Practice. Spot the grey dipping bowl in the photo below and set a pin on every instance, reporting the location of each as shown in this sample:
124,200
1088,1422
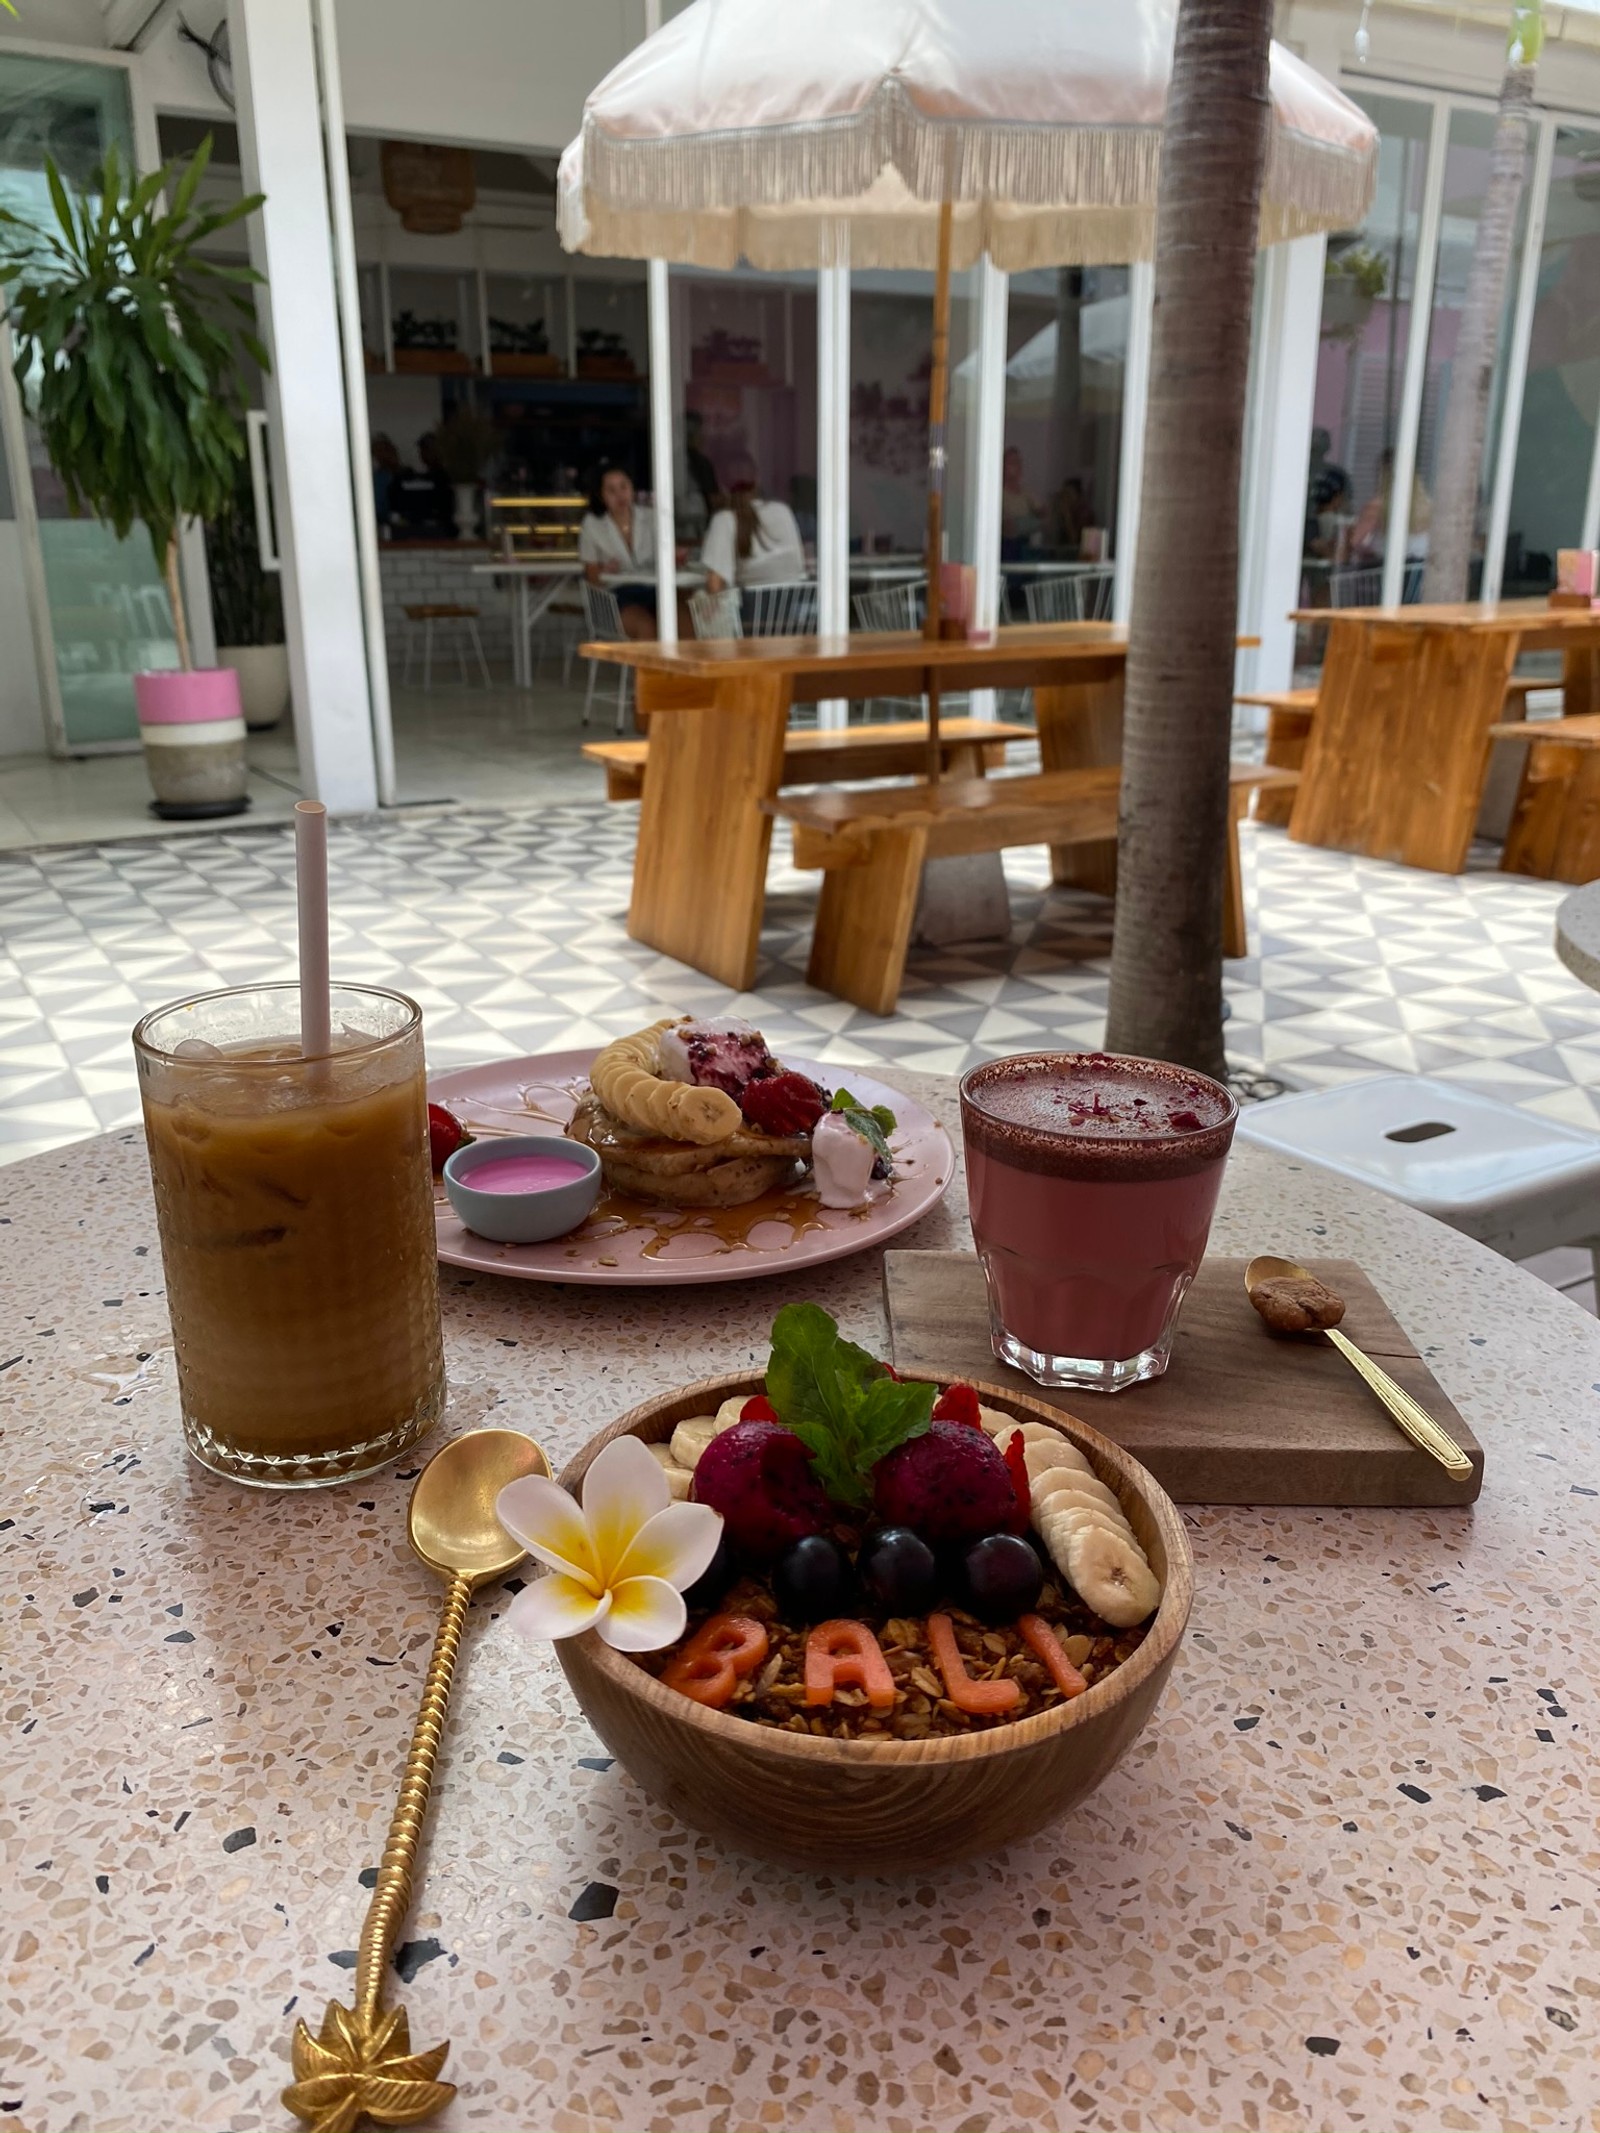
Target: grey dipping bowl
522,1217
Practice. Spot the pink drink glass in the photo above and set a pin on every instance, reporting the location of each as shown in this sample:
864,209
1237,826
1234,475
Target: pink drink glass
1092,1180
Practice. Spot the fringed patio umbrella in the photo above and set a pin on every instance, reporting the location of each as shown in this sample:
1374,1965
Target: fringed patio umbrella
921,133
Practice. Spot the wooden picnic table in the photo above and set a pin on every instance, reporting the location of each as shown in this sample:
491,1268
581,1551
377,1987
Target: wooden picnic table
717,711
1400,737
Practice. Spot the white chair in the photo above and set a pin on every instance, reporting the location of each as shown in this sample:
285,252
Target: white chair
460,624
891,607
785,609
716,614
603,619
1361,585
1519,1183
1078,595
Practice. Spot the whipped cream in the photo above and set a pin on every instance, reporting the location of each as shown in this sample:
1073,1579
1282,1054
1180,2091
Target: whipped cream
842,1161
718,1055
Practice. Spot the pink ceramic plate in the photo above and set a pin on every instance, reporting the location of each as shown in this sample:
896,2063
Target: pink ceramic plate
626,1242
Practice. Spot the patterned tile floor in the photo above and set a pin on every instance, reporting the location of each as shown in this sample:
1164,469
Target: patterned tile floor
508,927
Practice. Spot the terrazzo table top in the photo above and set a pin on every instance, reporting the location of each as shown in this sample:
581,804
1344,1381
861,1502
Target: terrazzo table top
1349,1877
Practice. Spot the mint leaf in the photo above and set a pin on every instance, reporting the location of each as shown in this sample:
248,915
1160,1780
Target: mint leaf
813,1375
890,1414
839,1401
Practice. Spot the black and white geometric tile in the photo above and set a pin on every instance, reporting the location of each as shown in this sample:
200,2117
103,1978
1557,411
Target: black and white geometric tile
508,927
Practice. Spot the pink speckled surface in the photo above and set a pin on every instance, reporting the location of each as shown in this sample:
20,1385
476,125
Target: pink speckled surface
1347,1878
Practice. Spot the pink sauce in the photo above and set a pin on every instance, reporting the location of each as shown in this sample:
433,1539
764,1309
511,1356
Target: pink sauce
1092,1183
524,1173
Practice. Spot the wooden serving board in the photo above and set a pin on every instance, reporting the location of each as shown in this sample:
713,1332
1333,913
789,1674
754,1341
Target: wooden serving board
1241,1415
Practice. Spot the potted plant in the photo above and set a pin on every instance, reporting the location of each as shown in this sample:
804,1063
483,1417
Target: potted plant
128,345
1353,281
247,609
466,442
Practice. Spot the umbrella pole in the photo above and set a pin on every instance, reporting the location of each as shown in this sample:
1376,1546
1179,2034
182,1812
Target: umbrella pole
938,398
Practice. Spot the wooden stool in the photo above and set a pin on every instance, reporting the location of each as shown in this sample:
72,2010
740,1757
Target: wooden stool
1289,715
1555,824
462,620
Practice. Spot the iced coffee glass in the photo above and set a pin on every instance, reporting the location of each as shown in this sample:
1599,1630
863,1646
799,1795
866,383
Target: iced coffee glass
294,1199
1092,1180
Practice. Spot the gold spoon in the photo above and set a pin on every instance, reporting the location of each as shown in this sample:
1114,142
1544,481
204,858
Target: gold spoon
361,2063
1415,1420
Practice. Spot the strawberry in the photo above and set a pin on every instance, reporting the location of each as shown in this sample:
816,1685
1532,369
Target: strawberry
783,1105
958,1403
758,1409
445,1134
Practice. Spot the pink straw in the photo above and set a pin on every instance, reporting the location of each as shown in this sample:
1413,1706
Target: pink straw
311,892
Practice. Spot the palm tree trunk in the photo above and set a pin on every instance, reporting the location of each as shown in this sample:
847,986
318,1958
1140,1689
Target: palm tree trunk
1166,964
1453,533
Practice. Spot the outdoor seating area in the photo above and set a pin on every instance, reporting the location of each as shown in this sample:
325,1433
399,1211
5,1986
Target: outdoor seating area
799,1065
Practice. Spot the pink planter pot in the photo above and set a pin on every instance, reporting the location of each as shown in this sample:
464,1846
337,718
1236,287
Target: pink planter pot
192,726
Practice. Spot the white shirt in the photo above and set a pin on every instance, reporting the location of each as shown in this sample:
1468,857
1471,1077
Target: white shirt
776,555
600,541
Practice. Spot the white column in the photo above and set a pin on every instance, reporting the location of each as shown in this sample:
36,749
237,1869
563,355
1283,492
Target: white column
661,450
1135,406
661,466
833,458
1397,535
1275,508
1494,547
355,391
988,450
280,141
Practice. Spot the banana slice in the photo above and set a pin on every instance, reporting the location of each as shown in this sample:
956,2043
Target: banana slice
626,1079
1002,1426
1042,1458
690,1439
1088,1486
1110,1574
1067,1504
731,1409
678,1477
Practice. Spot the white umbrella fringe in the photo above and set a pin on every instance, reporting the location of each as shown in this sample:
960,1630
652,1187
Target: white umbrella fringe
1028,193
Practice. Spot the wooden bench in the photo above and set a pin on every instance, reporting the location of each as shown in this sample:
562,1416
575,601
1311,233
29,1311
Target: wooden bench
814,755
872,846
1289,715
1554,833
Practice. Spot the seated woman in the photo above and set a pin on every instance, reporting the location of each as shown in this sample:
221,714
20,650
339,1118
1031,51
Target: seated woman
618,535
756,543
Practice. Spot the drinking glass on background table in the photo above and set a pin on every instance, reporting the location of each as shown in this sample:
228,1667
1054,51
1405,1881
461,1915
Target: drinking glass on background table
1092,1181
294,1198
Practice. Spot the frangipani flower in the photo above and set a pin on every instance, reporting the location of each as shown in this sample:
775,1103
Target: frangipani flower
620,1562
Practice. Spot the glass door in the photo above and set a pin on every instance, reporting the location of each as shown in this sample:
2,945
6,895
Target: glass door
108,609
1556,441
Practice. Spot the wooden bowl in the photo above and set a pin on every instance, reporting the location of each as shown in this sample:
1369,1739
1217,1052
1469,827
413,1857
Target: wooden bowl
878,1807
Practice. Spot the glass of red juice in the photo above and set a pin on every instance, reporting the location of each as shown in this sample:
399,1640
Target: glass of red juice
1092,1180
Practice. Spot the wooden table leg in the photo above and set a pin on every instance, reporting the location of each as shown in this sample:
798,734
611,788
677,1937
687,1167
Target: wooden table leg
858,951
1555,826
1080,728
1400,743
1235,934
1580,679
700,868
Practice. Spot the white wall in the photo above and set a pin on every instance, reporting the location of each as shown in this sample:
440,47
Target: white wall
488,73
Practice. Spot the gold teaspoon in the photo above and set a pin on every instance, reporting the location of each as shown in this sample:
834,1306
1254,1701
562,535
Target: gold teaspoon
360,2063
1415,1420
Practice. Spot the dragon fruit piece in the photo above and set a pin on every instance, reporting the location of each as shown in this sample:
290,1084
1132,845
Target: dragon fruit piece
950,1484
760,1478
